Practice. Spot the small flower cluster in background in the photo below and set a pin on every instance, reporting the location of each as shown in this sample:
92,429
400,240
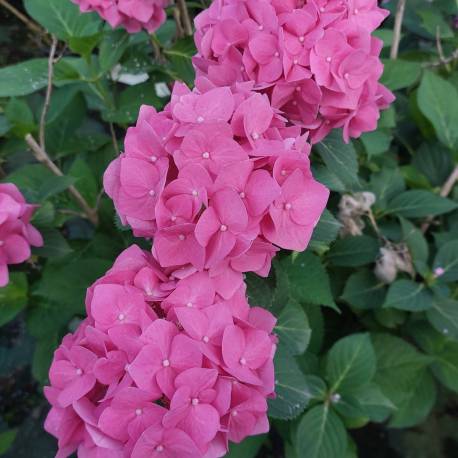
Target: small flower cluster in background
133,15
161,364
17,235
316,60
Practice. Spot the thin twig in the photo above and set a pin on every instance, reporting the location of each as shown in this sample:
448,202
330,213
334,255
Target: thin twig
440,50
177,18
23,18
47,101
445,191
444,61
41,156
185,18
397,29
114,139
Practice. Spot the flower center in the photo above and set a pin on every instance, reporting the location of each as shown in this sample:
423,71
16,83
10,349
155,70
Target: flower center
288,206
194,193
173,218
223,228
200,119
206,155
328,59
153,158
166,363
152,193
159,448
181,237
194,401
242,195
121,317
189,304
205,339
138,412
255,136
242,361
79,371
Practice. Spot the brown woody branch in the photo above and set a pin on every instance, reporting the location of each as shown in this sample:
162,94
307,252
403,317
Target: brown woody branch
42,157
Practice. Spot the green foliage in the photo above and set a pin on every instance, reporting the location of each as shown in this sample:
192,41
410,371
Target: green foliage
362,340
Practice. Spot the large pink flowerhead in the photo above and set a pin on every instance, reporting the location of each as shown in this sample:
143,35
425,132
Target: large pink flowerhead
17,235
161,366
316,60
133,15
205,179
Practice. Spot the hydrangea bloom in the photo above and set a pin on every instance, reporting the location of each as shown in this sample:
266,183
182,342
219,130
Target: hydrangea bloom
315,59
161,365
133,15
219,180
16,232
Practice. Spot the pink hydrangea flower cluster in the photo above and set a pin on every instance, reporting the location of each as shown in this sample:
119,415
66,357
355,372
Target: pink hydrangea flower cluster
162,366
218,179
133,15
16,232
316,59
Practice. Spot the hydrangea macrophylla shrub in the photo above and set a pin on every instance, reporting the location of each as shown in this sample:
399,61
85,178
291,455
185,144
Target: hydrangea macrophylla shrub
315,59
133,15
219,180
16,232
162,363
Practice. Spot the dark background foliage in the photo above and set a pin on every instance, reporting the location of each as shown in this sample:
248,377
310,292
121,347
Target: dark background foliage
365,367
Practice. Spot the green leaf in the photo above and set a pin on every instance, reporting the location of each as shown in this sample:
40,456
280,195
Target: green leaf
376,142
438,101
65,283
248,448
354,251
386,184
364,291
180,55
13,297
374,403
399,74
308,279
350,363
258,291
339,157
7,439
42,357
447,259
112,47
86,182
326,230
23,78
408,295
434,162
293,329
20,117
54,246
130,101
417,403
419,204
415,241
321,434
54,185
63,18
399,365
292,390
444,316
